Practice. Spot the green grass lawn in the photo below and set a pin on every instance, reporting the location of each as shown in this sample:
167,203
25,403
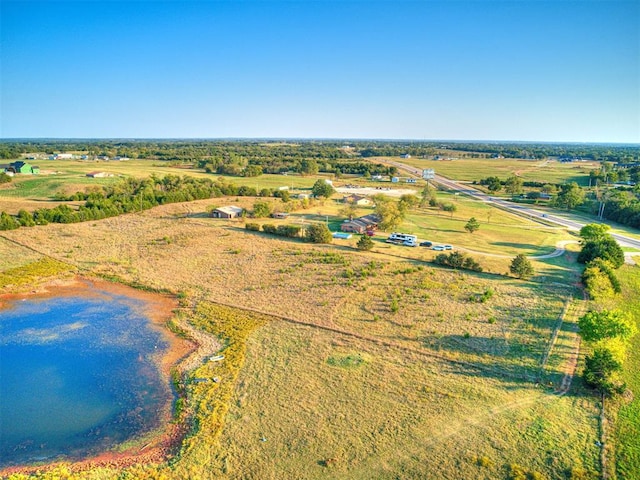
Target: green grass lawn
627,424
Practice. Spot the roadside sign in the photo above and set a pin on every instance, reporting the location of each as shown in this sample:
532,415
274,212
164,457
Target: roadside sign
428,174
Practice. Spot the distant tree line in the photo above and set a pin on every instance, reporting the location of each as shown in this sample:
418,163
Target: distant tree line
128,196
277,151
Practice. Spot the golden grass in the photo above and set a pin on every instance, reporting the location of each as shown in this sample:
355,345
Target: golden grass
348,384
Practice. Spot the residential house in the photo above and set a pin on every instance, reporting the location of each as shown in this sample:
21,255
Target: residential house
359,200
230,211
361,224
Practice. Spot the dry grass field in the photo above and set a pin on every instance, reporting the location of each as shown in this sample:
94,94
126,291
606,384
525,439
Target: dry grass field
371,365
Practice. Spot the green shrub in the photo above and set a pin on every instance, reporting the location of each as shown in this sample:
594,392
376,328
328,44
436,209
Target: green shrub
254,227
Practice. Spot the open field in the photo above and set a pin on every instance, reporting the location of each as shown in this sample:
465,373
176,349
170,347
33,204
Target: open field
368,363
470,169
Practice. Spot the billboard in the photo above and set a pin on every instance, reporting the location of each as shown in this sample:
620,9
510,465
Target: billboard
428,174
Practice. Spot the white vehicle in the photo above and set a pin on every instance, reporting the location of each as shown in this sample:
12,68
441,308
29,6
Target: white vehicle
403,239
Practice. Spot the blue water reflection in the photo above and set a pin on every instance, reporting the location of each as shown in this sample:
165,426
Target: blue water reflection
77,376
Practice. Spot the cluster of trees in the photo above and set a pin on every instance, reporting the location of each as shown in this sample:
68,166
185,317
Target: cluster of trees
314,233
512,185
601,255
284,152
606,332
622,206
610,153
129,195
458,261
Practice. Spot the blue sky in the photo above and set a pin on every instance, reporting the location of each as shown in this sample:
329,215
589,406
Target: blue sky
466,70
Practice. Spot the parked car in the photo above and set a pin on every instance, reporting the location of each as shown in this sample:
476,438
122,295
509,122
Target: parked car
410,243
448,247
426,244
439,248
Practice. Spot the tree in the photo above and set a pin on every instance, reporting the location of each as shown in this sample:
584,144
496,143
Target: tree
594,231
605,248
261,209
391,213
449,207
428,192
309,167
252,171
322,189
494,184
408,201
600,371
472,225
570,196
26,218
521,267
7,222
513,185
596,326
349,210
365,243
319,233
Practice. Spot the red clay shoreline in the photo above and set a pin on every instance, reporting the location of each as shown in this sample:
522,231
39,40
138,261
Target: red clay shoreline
159,308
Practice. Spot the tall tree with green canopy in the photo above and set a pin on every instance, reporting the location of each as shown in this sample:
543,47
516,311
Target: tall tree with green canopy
472,225
594,231
596,326
570,196
521,267
513,185
322,189
605,248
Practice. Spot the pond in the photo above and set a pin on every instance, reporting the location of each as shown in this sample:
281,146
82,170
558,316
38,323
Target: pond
78,375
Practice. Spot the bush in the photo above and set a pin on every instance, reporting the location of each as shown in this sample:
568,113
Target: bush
289,231
319,233
269,228
254,227
365,243
457,260
7,222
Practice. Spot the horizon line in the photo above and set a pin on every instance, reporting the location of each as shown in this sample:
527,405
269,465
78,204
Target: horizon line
335,139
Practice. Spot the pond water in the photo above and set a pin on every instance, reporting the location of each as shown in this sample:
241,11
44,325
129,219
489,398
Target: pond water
78,375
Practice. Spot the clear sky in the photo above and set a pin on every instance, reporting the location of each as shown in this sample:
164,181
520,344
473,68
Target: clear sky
466,70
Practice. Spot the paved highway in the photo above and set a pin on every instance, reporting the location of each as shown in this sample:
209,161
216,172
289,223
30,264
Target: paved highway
465,189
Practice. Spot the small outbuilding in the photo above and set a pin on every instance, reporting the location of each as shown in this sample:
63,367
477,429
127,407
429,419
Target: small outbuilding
230,211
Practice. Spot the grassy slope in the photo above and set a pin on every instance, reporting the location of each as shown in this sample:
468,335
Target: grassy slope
392,414
400,412
627,426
